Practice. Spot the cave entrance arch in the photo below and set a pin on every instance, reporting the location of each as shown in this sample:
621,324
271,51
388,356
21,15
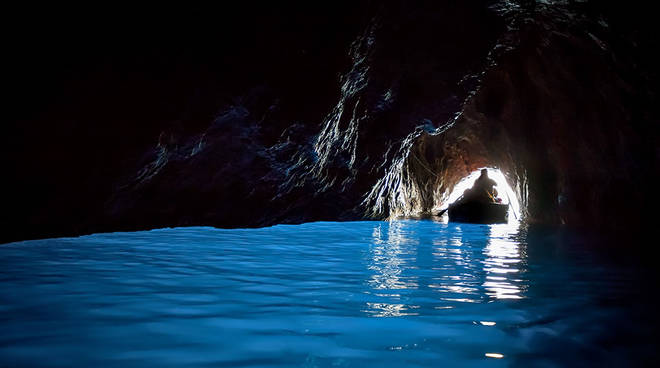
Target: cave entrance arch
503,188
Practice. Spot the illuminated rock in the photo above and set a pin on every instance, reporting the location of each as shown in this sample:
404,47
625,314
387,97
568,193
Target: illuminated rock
253,128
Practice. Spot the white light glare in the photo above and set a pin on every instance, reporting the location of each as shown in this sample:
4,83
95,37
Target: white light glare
503,189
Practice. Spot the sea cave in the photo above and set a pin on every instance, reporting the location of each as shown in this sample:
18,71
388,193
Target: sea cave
264,184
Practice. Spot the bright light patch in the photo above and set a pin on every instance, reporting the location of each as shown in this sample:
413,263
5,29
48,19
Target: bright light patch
494,355
503,189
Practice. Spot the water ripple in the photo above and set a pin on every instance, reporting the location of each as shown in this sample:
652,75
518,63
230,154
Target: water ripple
322,294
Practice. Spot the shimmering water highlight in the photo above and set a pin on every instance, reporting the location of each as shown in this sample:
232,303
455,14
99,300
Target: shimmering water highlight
387,294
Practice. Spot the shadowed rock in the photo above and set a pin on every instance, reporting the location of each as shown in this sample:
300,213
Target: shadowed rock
288,115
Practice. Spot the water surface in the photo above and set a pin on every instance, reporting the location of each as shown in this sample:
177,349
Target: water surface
412,293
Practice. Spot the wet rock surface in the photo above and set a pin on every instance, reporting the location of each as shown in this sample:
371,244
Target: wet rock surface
255,116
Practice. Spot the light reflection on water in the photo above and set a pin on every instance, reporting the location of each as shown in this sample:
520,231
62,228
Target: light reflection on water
309,295
467,264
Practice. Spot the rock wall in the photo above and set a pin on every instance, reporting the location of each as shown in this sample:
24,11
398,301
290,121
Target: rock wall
284,115
559,110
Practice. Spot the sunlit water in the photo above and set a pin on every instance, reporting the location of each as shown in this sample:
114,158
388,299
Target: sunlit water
357,294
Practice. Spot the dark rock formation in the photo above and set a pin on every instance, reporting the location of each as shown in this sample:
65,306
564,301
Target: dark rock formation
564,112
255,116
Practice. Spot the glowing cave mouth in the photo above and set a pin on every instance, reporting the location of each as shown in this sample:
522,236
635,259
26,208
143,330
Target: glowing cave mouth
503,188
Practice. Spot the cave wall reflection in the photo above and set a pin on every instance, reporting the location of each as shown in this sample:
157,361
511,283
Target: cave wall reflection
443,265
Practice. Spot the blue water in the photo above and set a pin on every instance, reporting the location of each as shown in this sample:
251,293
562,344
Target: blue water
412,293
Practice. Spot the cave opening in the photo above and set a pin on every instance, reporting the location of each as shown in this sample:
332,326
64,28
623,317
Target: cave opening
504,190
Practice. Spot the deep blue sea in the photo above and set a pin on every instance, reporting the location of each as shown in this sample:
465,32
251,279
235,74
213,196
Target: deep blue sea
408,293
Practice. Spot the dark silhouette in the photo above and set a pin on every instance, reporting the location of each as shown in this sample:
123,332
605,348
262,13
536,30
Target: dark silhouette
483,189
479,204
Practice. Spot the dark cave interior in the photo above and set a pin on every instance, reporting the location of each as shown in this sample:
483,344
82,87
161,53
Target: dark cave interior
251,115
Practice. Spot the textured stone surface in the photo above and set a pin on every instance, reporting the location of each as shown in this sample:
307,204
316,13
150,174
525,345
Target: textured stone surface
255,116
